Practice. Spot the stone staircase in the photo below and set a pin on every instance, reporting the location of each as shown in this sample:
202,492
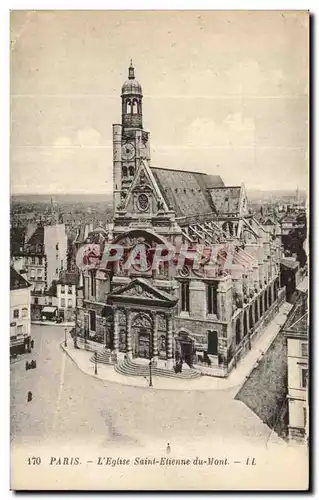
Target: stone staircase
129,368
102,357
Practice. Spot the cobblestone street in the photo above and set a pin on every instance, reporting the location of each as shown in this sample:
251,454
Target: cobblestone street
68,403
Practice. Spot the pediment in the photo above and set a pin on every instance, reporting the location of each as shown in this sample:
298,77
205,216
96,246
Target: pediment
142,291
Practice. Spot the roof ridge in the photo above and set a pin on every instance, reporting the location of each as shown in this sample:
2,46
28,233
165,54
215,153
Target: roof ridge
181,170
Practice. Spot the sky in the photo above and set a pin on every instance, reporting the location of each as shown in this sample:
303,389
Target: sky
224,93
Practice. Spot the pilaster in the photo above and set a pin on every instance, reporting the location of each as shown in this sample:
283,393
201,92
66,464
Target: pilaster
129,333
169,344
116,339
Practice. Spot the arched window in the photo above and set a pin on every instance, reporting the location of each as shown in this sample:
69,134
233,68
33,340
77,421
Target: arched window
226,205
135,107
245,323
124,171
185,296
270,296
212,338
211,297
131,171
238,331
265,301
128,106
256,311
261,305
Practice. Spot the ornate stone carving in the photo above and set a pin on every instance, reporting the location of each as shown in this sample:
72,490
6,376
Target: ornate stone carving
139,291
142,320
161,322
184,272
121,317
160,205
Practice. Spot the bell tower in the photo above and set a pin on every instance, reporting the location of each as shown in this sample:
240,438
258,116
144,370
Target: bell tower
130,141
132,101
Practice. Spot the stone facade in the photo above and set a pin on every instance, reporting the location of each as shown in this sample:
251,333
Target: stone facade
205,313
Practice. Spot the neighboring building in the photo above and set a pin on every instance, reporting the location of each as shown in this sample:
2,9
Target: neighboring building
20,312
40,252
296,332
206,317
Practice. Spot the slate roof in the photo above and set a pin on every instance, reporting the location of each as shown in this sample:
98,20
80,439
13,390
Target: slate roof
52,291
186,192
68,279
226,199
17,282
17,235
37,237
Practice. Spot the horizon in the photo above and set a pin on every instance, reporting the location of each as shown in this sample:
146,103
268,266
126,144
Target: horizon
100,193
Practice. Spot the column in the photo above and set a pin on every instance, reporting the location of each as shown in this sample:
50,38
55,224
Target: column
169,343
129,333
155,337
116,332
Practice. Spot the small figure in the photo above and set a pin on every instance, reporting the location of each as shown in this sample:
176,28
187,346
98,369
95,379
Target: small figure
27,366
29,396
168,449
32,344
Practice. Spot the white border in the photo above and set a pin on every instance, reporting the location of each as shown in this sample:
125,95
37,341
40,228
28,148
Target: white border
5,6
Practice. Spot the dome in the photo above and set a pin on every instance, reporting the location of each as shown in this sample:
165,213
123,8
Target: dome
131,86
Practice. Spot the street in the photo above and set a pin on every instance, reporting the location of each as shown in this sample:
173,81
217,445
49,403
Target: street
68,403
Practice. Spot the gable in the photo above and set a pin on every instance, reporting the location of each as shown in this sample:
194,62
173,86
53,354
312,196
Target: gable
144,195
141,291
226,199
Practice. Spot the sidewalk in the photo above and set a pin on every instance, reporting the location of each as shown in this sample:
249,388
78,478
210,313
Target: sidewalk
205,383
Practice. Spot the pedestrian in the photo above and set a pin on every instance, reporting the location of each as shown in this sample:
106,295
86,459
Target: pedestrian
29,396
32,344
168,449
27,365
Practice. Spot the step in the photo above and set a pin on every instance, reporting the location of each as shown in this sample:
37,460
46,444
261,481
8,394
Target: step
129,368
103,357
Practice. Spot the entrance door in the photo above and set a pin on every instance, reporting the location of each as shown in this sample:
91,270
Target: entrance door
143,344
187,352
142,336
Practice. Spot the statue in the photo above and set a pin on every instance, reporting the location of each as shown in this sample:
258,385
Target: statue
160,205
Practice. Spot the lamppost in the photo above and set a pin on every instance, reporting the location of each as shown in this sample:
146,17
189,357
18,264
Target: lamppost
65,343
76,328
95,363
150,363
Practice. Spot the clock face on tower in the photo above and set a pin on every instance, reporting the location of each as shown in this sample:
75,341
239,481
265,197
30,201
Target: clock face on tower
128,151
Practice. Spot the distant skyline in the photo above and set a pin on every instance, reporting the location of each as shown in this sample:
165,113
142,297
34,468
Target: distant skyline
224,93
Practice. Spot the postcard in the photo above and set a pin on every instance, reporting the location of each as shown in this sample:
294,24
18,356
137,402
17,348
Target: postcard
159,250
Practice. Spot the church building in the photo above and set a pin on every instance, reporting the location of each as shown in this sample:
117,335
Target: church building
207,318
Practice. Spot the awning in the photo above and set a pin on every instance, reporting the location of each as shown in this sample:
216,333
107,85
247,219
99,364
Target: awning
289,263
49,309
